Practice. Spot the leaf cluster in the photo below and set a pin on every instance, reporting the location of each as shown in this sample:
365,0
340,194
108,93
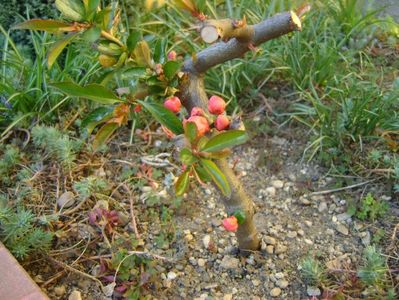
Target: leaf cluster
20,233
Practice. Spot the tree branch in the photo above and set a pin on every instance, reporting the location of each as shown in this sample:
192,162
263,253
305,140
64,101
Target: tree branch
221,52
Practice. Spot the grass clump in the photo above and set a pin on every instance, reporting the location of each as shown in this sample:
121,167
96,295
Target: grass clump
371,209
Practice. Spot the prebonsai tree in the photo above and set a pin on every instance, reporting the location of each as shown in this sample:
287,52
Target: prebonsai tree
162,83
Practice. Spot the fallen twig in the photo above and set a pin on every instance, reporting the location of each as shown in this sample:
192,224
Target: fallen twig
343,188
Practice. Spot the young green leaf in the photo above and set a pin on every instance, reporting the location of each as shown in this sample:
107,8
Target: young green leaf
160,51
104,134
170,69
91,35
132,40
240,215
217,176
225,140
97,116
202,174
71,9
45,25
142,54
163,116
91,6
187,157
182,183
93,92
191,132
57,48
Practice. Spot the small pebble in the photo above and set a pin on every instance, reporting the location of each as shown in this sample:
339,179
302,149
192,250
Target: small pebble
275,292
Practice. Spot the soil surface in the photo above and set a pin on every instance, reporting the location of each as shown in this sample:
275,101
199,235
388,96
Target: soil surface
294,224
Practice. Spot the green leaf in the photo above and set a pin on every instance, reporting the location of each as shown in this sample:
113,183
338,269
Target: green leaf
163,116
132,40
142,54
182,183
160,51
201,4
71,9
45,25
91,35
57,48
202,174
96,117
187,157
240,215
91,6
134,72
93,92
217,176
104,134
191,132
225,139
170,69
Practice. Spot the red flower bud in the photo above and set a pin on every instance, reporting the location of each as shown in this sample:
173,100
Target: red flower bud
173,104
201,123
197,111
216,105
137,108
172,55
222,122
230,224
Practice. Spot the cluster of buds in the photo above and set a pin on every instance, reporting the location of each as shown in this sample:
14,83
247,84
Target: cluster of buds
104,218
216,106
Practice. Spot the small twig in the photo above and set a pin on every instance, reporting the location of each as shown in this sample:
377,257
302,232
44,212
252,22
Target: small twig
69,268
343,188
139,253
132,214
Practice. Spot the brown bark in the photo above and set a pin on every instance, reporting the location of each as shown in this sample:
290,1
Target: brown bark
193,95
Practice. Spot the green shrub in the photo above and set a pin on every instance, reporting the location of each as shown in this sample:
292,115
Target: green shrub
373,270
20,233
55,144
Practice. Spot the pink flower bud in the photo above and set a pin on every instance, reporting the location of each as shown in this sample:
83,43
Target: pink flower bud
222,122
172,55
230,224
201,123
216,105
158,69
197,111
173,104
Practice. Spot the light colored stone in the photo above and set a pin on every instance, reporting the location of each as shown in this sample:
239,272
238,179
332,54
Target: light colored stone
60,290
206,240
270,240
201,262
280,249
282,283
342,229
278,184
75,295
275,292
228,297
229,262
66,200
313,291
172,275
270,249
322,207
271,191
292,234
